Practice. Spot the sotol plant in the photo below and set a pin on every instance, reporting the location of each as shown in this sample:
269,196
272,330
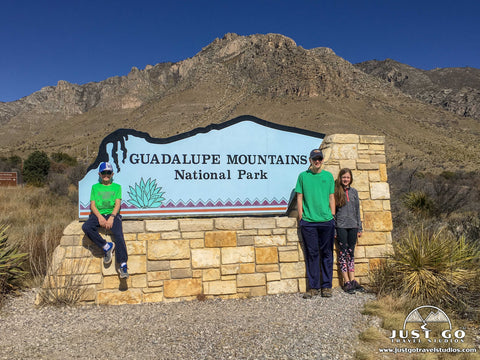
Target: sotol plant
10,263
146,194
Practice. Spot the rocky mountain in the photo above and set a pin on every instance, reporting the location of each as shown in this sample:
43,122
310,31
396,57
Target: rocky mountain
267,76
455,89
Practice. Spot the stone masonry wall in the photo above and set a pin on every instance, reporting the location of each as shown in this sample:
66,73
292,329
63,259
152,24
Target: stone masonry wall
229,257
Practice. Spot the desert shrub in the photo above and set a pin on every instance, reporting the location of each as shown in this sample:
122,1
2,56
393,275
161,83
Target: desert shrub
11,260
58,184
418,203
76,173
428,267
63,158
35,168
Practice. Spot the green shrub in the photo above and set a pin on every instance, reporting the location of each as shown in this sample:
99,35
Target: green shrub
428,268
35,168
11,261
418,202
63,158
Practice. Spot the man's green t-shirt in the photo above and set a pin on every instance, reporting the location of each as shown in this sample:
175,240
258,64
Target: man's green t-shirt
105,196
316,189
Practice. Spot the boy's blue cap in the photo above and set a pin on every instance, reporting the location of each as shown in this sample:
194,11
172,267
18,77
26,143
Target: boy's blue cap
105,166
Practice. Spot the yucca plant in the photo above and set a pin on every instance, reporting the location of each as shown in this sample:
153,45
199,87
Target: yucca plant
419,203
146,194
429,267
11,261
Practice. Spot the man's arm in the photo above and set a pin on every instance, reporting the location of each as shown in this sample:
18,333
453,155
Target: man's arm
331,200
300,206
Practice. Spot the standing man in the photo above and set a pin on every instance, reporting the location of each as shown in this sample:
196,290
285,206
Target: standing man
105,202
316,209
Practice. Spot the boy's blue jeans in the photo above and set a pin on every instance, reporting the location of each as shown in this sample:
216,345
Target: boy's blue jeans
318,238
90,228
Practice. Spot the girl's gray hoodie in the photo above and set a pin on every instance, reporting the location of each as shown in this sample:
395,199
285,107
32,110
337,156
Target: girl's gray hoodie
348,216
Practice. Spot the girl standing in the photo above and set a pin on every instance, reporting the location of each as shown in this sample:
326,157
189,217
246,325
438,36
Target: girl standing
348,228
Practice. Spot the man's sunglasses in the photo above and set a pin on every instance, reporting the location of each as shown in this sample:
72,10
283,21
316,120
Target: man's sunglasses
106,172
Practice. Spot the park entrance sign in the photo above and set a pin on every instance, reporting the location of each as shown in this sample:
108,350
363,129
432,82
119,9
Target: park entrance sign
242,166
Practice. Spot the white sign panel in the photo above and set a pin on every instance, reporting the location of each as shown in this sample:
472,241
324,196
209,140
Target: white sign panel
243,166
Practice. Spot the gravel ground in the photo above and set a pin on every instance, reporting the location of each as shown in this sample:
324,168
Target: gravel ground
270,327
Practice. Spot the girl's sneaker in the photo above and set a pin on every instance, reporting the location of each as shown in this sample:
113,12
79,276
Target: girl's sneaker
348,287
357,286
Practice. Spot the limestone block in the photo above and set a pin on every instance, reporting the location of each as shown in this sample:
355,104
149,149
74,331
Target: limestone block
383,172
196,224
288,256
361,269
259,223
247,268
372,205
379,191
130,237
377,221
372,139
286,222
282,286
139,281
112,282
266,255
343,138
158,265
153,297
137,264
77,252
220,239
136,247
250,280
372,238
109,270
267,268
244,254
148,236
274,276
302,285
161,225
228,277
270,240
292,270
256,291
168,249
230,269
181,273
359,252
158,275
367,166
182,287
171,235
211,274
79,266
229,223
374,176
349,164
293,235
220,287
344,152
89,294
378,159
130,296
197,273
130,226
332,169
264,232
376,251
360,180
180,264
205,258
245,240
71,240
196,243
74,228
280,231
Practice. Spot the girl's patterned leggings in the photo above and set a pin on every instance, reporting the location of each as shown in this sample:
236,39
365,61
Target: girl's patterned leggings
347,238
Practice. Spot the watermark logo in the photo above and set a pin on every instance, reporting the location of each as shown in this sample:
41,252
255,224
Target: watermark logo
427,324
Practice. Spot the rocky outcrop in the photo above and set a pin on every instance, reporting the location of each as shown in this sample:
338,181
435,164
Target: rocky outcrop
454,89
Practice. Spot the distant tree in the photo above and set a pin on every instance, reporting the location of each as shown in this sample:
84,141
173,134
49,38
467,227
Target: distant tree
35,168
63,158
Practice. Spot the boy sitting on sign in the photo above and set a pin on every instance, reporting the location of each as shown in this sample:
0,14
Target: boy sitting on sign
105,201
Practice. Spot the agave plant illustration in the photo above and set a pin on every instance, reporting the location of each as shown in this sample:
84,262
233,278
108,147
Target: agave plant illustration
146,194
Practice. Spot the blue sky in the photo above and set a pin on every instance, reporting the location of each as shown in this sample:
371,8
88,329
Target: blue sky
81,41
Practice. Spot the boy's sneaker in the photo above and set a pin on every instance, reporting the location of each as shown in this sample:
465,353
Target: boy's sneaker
107,259
123,272
349,287
357,286
327,292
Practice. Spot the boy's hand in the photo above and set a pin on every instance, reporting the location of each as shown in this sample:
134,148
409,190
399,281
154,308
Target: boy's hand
109,222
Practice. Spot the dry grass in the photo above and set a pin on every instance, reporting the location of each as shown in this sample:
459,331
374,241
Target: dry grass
36,219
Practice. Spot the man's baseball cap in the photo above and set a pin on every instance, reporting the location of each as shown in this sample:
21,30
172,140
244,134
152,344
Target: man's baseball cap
316,153
105,166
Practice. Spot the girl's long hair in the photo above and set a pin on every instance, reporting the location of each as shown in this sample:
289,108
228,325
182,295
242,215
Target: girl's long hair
340,197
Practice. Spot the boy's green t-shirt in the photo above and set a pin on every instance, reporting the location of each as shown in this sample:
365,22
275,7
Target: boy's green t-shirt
316,189
105,196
